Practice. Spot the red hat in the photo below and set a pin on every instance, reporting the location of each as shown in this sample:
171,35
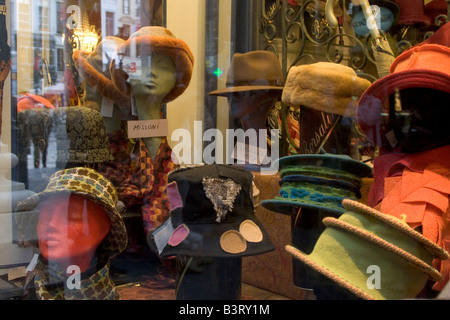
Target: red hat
435,8
412,12
423,66
31,101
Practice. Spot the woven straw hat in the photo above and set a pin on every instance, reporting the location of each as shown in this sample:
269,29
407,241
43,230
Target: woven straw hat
155,39
363,237
92,185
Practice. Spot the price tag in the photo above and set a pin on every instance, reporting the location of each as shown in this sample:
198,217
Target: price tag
148,128
107,107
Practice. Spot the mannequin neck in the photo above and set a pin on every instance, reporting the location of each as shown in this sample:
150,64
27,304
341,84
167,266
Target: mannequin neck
148,109
81,261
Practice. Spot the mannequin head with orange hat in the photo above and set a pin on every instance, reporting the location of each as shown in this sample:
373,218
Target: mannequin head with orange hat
153,67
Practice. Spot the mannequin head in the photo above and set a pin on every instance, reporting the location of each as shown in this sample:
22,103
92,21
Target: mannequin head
158,78
252,107
70,228
152,41
419,118
254,85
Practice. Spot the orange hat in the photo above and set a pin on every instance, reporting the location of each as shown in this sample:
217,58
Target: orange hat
95,70
31,101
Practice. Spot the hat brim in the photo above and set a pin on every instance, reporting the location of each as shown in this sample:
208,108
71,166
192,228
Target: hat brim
398,225
289,207
303,258
228,90
381,89
203,240
333,161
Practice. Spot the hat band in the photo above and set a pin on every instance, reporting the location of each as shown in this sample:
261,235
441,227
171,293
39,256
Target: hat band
255,83
312,194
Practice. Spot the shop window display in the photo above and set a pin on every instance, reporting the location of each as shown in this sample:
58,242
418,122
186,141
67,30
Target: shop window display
347,100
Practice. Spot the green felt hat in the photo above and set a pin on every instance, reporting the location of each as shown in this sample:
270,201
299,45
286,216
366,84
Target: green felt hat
318,181
363,238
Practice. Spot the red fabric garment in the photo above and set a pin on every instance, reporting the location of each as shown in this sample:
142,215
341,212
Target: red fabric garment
416,187
392,164
146,187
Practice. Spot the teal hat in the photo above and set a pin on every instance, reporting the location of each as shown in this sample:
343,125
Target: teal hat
318,181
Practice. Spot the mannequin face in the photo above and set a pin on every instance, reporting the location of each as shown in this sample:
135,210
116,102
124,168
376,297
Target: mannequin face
158,77
70,226
252,103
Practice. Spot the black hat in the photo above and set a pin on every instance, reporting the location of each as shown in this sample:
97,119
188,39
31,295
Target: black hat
212,215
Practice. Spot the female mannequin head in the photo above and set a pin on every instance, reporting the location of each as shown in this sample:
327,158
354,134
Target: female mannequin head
70,228
158,78
148,44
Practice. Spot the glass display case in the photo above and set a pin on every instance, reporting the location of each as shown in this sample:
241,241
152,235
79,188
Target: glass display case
224,150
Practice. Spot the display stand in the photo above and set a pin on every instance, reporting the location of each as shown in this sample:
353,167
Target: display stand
307,226
208,278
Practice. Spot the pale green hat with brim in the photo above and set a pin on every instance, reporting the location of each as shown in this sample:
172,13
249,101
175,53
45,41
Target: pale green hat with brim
363,237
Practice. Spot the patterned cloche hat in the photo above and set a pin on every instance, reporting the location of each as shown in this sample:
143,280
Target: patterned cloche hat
94,186
80,136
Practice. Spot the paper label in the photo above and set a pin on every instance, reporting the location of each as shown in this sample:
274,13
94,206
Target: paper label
132,66
32,263
162,235
107,107
148,128
246,153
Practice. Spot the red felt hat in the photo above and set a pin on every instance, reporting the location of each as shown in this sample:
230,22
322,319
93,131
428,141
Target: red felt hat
435,8
423,66
412,12
31,101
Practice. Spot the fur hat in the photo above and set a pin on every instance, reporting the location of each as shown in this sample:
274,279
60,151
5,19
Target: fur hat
155,39
94,68
324,86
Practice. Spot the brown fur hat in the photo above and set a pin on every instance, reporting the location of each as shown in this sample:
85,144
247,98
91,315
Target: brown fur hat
159,40
94,69
324,86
